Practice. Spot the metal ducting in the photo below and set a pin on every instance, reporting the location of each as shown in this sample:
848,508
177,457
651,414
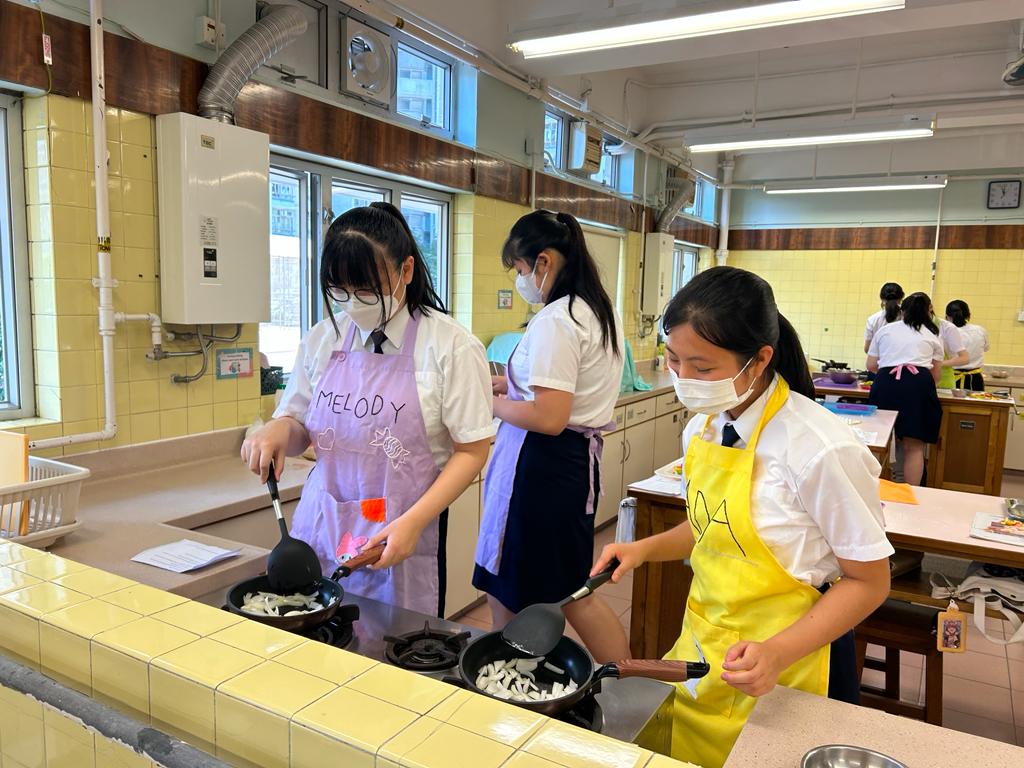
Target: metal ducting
279,26
1014,74
685,190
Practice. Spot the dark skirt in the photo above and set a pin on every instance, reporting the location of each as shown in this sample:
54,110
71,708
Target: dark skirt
548,549
915,399
974,382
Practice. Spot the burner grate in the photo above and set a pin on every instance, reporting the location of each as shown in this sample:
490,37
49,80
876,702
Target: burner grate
426,650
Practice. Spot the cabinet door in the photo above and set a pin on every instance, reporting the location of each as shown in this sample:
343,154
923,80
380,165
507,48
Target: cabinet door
668,438
638,463
1014,458
611,478
463,526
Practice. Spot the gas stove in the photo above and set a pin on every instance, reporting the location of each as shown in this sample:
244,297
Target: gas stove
426,650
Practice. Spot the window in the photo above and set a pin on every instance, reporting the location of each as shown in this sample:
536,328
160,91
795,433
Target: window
608,173
684,265
554,140
703,205
305,198
423,91
16,396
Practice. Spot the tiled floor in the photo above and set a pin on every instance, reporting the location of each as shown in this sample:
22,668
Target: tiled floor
983,688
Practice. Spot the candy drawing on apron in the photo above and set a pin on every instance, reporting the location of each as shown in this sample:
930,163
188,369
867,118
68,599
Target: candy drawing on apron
739,592
373,463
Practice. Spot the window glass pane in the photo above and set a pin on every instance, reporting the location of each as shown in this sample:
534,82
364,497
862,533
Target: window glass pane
8,341
280,337
344,197
607,173
707,193
553,139
427,220
422,90
684,266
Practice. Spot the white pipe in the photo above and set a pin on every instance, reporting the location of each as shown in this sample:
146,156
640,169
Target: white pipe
523,83
104,282
155,324
722,254
905,101
935,250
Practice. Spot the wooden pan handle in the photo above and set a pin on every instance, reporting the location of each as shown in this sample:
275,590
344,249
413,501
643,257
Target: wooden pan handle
659,669
364,558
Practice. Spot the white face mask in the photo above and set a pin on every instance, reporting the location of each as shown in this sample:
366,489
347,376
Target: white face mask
367,316
710,397
528,288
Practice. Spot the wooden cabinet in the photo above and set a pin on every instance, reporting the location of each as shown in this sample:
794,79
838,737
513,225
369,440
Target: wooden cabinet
969,454
463,527
638,462
659,589
611,477
668,438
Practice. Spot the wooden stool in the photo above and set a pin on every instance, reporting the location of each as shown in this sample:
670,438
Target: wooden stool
899,626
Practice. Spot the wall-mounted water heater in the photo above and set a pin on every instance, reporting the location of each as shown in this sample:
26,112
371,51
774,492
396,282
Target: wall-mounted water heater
658,268
214,220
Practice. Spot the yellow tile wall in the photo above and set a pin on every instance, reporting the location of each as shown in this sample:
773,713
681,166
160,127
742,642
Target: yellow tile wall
828,295
62,235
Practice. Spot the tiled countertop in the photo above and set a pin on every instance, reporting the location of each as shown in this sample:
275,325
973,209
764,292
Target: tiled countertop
786,724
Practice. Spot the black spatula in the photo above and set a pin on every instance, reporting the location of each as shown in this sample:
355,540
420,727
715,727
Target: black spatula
536,629
292,565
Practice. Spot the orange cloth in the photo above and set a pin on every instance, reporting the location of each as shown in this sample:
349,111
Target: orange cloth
374,510
898,493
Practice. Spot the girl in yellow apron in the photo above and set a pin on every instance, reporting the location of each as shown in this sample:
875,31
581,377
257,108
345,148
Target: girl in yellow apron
782,502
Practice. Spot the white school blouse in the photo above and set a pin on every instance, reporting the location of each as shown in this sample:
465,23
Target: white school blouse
899,344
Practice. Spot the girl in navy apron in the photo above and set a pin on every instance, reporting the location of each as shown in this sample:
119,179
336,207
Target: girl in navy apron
395,397
907,357
541,490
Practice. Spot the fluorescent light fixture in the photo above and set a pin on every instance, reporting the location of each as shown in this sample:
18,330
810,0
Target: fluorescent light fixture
712,140
876,184
701,24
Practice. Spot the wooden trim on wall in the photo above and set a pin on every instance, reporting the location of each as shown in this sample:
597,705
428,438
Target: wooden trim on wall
962,236
695,232
559,194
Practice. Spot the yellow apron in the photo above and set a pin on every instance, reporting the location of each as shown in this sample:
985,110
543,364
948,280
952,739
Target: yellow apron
739,592
961,376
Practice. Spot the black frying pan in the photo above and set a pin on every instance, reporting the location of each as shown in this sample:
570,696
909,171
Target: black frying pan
571,657
329,592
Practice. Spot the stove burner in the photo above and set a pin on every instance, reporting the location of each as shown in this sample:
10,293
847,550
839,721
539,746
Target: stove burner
428,650
337,630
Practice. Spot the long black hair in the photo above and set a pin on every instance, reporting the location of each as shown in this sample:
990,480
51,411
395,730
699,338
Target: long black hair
358,242
735,310
917,312
958,312
578,278
891,294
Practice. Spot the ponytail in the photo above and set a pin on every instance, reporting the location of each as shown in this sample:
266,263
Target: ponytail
578,278
958,313
735,310
891,296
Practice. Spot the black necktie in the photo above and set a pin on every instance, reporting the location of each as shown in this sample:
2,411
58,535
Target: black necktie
729,436
378,337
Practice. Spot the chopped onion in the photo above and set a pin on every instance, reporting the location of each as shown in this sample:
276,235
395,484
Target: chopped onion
269,604
513,680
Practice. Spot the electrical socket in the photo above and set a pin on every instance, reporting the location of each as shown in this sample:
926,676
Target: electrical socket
1020,316
207,32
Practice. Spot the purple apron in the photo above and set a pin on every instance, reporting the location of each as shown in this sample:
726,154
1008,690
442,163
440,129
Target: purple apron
501,476
373,462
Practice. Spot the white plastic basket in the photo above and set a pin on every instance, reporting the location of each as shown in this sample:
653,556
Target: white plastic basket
42,510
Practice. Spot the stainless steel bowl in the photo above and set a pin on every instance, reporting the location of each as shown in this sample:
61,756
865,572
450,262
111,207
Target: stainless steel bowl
845,756
1015,509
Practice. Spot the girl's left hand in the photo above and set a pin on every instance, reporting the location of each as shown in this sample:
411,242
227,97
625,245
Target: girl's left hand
402,537
752,668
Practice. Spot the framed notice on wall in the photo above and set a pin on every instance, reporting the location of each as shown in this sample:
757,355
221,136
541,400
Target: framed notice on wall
234,363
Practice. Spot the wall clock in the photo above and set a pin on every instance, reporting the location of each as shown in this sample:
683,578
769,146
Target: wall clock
1004,194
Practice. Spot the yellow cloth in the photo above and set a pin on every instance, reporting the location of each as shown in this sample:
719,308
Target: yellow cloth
898,493
739,592
960,376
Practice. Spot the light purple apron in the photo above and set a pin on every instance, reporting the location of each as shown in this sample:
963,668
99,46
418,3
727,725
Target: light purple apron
501,477
373,462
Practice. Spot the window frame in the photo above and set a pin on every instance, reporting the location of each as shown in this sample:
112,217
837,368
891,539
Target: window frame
561,151
614,159
680,251
14,269
447,63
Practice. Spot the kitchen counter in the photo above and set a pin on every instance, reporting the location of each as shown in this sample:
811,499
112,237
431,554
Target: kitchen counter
772,739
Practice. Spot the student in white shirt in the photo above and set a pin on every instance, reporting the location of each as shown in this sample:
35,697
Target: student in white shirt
396,399
907,358
541,489
782,502
891,296
975,340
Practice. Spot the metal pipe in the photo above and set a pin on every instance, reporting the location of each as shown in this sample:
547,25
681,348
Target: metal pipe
278,28
935,249
104,281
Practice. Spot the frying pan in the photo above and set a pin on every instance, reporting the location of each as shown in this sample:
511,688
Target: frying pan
830,365
329,593
843,377
569,656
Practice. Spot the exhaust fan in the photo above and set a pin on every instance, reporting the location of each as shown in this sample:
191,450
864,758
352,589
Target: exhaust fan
369,58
